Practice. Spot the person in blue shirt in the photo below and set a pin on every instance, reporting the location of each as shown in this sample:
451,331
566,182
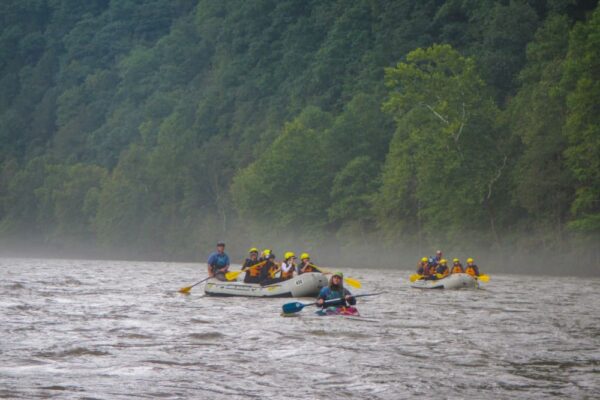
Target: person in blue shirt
218,263
336,290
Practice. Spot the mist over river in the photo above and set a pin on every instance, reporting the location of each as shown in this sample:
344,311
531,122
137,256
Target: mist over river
74,329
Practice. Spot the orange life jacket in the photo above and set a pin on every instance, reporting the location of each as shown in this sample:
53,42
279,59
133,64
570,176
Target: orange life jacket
471,271
432,269
307,268
273,269
254,270
289,274
457,268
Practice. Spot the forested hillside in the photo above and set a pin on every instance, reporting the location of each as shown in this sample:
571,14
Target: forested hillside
152,128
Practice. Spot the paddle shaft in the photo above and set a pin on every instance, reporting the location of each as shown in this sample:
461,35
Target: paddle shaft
296,307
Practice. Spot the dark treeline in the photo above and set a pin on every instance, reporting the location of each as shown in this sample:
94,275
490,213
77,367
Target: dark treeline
151,128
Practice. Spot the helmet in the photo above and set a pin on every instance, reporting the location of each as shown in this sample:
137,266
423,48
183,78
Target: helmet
438,252
469,260
304,256
220,244
253,250
289,255
424,259
443,261
456,260
340,274
431,260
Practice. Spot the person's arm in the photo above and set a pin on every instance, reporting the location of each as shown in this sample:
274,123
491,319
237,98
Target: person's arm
349,298
322,296
210,263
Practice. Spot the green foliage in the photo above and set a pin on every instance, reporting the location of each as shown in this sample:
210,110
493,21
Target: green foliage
155,127
582,128
446,155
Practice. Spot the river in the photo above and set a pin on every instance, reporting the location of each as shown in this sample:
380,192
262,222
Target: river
74,329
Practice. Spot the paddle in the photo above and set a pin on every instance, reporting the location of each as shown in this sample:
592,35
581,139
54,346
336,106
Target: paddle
231,276
186,290
290,308
355,283
415,277
483,278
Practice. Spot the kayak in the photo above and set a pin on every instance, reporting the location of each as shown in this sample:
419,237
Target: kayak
345,311
452,281
305,285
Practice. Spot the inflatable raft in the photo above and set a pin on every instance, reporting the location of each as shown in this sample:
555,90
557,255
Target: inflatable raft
453,281
305,285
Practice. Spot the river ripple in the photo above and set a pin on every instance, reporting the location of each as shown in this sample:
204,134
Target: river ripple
116,330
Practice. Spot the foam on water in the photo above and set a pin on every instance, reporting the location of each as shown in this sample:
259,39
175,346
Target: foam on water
110,330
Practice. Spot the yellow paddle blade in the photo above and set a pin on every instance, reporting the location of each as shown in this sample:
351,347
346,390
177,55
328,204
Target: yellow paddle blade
484,278
185,290
439,276
230,276
415,277
353,282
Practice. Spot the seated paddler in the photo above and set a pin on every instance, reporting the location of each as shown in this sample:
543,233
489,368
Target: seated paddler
288,266
335,291
442,269
218,263
472,268
268,272
252,266
305,265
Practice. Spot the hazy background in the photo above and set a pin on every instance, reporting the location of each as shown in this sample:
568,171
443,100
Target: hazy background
369,133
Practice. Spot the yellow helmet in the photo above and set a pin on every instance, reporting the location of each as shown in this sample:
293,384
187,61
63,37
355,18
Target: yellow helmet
288,255
253,250
304,256
469,260
443,261
455,260
424,259
266,252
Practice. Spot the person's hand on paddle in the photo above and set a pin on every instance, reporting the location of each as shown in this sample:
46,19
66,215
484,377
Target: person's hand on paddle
348,298
320,302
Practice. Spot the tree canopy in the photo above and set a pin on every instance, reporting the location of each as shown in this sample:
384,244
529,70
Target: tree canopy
153,128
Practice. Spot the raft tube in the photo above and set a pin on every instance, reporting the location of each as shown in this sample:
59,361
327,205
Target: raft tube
452,281
305,285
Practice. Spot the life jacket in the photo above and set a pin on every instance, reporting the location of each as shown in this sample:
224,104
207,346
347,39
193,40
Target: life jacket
432,269
253,272
472,270
290,272
442,270
421,269
308,268
457,268
272,269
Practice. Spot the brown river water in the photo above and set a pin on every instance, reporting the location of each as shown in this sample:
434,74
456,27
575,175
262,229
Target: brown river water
120,330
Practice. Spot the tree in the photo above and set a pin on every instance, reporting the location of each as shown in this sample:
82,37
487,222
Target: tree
446,156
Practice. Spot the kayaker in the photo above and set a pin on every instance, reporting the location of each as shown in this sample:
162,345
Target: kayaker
457,267
442,268
252,267
472,269
335,290
305,264
218,263
288,266
269,271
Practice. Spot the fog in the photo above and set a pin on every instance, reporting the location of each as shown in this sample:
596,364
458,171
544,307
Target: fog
578,258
